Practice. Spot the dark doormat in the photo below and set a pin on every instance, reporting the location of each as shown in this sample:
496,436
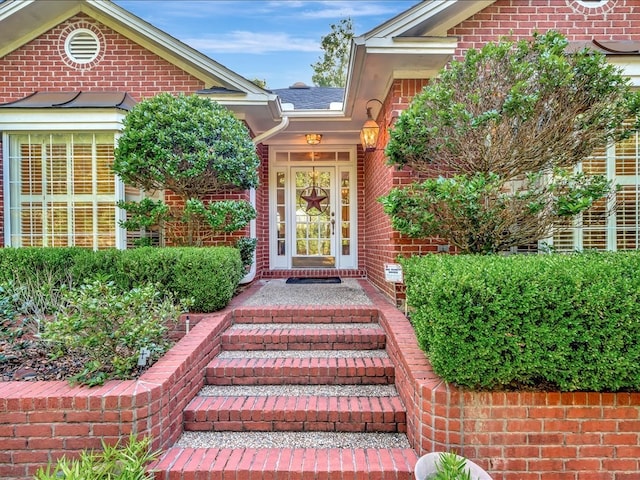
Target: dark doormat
307,280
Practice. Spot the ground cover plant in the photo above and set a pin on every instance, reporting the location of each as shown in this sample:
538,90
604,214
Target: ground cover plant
87,316
541,322
97,332
123,461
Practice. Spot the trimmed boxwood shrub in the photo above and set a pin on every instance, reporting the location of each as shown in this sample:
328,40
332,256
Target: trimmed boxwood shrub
209,275
22,263
567,322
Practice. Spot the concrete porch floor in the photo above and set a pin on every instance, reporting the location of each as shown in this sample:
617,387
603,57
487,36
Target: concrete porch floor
277,292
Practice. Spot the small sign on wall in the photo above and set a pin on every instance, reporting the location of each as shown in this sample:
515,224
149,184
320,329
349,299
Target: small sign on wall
393,272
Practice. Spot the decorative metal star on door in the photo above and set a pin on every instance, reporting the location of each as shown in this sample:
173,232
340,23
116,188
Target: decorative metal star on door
316,198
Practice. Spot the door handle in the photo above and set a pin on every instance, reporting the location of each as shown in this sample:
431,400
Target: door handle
333,223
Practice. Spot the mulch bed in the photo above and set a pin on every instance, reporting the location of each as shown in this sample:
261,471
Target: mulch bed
26,358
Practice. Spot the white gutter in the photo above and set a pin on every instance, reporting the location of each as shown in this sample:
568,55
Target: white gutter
249,277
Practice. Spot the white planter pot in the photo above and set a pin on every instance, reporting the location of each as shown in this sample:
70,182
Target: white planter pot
426,466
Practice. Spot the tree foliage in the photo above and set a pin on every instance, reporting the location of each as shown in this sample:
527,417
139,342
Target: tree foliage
499,134
331,69
195,148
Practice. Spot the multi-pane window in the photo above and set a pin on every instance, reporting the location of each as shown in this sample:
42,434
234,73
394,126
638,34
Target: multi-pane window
611,224
61,190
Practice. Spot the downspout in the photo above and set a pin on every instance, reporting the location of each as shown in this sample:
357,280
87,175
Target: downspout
249,277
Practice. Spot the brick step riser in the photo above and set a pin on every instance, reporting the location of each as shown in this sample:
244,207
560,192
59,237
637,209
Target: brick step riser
367,371
300,414
337,379
305,340
309,316
285,464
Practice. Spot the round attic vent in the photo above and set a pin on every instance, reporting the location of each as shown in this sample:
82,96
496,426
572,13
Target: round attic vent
592,3
82,46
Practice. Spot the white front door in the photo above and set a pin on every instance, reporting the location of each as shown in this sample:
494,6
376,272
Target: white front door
312,221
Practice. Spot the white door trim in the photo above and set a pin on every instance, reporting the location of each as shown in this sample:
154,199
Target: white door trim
283,162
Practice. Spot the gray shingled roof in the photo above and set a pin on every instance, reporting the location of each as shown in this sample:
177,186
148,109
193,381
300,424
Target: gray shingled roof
304,97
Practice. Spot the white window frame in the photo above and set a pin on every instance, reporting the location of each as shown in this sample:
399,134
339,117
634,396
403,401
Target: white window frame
611,225
42,121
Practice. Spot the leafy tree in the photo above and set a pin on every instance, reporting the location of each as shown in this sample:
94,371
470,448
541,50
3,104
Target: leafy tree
195,148
331,69
496,138
260,82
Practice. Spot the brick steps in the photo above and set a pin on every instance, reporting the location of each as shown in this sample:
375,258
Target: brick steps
295,394
286,463
295,413
287,337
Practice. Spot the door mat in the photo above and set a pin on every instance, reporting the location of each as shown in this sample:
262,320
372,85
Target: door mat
308,280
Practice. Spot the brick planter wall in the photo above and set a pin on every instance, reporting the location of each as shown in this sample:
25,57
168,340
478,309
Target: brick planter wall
513,435
41,421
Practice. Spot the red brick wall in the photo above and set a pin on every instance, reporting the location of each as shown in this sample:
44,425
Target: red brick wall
123,66
617,20
262,206
513,435
176,234
382,244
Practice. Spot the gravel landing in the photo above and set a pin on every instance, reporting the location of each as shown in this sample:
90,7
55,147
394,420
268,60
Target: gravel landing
291,440
299,390
300,326
303,354
278,292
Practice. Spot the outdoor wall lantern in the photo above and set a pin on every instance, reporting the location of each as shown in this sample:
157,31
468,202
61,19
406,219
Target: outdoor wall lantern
313,138
370,130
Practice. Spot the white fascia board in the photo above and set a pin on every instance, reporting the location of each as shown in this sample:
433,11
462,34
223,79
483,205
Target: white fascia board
60,120
54,16
413,45
354,73
430,17
316,114
249,99
9,7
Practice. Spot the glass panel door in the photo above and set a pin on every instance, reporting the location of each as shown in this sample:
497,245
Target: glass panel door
314,221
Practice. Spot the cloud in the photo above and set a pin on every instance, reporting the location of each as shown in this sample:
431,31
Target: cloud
342,9
252,42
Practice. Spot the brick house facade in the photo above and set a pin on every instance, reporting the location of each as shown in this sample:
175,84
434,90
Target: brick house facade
352,237
518,435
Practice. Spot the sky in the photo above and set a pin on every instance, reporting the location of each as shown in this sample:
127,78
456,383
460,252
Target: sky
275,41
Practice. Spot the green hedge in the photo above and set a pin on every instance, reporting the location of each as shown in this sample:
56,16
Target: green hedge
208,275
553,322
